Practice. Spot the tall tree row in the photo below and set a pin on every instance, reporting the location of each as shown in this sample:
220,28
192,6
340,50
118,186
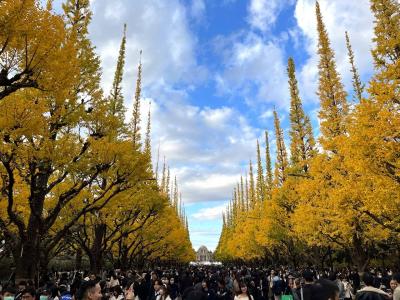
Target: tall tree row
335,199
73,174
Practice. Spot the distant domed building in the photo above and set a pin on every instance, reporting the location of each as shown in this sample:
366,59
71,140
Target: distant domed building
203,255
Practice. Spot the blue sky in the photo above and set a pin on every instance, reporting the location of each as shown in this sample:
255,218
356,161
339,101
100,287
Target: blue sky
213,71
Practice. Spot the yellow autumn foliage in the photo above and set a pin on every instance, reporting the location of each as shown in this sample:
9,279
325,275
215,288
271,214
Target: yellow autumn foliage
343,201
71,175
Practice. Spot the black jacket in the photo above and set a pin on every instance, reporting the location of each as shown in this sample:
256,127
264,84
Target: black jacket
193,293
223,294
371,293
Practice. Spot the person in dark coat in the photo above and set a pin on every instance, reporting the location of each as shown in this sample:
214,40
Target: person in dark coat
254,290
324,289
369,292
186,282
305,290
355,278
208,291
222,292
173,288
194,293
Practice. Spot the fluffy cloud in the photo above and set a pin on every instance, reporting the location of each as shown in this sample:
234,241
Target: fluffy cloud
206,148
210,213
339,16
254,60
254,69
160,29
263,13
197,9
269,113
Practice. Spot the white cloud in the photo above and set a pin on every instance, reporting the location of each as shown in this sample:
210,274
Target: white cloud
209,213
255,63
217,117
254,69
205,232
197,9
206,148
338,16
294,34
269,113
210,186
114,10
160,29
198,143
263,13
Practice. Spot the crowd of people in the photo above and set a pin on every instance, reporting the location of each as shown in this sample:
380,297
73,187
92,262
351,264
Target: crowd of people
210,283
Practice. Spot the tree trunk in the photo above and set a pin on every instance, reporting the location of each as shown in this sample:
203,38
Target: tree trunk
360,251
43,262
323,254
359,255
96,252
26,260
95,264
78,259
124,260
330,257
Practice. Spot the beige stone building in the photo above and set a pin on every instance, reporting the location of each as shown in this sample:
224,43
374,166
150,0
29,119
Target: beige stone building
203,255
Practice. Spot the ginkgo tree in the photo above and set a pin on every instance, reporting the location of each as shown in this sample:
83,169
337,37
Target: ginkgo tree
36,52
344,198
72,170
